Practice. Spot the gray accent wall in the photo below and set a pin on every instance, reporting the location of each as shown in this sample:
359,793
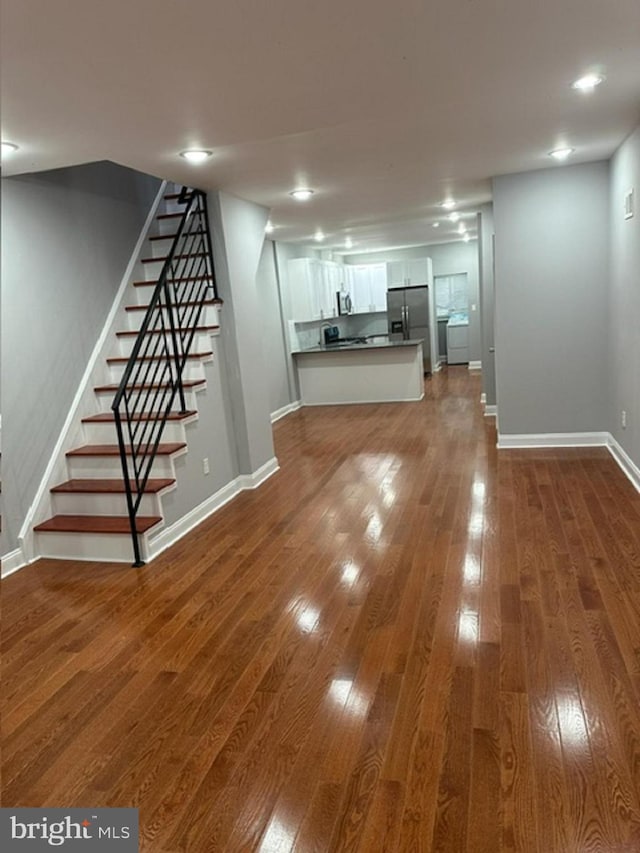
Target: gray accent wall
67,237
486,238
551,292
269,306
624,316
238,239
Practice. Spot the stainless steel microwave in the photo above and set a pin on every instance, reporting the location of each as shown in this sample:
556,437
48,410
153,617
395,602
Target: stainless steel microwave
345,304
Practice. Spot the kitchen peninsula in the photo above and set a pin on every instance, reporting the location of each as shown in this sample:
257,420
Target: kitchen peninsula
376,371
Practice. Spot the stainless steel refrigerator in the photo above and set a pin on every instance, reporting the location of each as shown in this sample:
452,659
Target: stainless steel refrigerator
408,317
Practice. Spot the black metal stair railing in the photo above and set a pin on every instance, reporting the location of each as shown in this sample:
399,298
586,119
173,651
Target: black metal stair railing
152,378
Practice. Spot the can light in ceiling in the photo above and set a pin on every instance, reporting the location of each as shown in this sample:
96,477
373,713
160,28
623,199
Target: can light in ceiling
318,236
561,153
348,243
196,155
454,217
448,204
8,148
301,194
269,227
435,224
466,238
588,83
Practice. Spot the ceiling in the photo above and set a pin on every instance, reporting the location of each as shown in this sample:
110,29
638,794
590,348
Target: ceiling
383,108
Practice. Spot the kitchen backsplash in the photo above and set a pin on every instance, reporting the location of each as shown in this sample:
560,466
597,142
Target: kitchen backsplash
305,335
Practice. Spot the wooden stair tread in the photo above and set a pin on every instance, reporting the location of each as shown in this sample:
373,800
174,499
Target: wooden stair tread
134,334
165,449
179,280
186,383
178,215
173,196
109,417
109,486
182,304
175,258
96,524
123,359
171,236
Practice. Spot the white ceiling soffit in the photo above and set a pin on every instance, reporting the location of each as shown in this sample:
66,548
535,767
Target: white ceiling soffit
382,108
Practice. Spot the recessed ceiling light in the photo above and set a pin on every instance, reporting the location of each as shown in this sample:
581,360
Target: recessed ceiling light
196,155
8,148
348,243
453,217
466,238
561,153
268,227
301,194
435,225
448,204
461,228
587,83
318,236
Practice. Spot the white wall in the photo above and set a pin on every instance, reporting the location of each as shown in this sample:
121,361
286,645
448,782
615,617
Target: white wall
551,283
67,236
624,316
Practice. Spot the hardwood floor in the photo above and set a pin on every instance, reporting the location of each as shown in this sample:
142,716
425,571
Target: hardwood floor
404,641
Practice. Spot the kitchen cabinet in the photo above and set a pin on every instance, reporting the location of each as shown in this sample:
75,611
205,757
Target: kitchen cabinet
367,284
313,285
412,273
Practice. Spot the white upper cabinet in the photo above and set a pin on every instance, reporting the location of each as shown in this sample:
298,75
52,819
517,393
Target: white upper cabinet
378,287
367,284
300,290
418,272
313,285
397,274
411,273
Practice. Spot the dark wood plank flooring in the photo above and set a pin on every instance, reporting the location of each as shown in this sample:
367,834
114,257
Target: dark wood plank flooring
404,641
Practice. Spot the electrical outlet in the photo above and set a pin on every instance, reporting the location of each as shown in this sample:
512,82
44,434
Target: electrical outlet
205,465
623,419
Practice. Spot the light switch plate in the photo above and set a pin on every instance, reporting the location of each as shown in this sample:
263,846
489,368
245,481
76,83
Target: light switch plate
629,204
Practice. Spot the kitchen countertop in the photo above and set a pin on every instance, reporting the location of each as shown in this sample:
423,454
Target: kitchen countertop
347,346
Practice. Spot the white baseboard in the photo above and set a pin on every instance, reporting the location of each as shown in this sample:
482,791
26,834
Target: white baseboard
12,561
438,367
285,410
170,535
252,481
25,537
624,461
553,439
490,411
475,365
483,399
576,439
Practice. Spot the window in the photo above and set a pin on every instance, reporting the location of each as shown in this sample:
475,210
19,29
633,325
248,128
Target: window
452,294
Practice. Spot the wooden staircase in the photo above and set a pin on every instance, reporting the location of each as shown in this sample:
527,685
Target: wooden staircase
90,518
